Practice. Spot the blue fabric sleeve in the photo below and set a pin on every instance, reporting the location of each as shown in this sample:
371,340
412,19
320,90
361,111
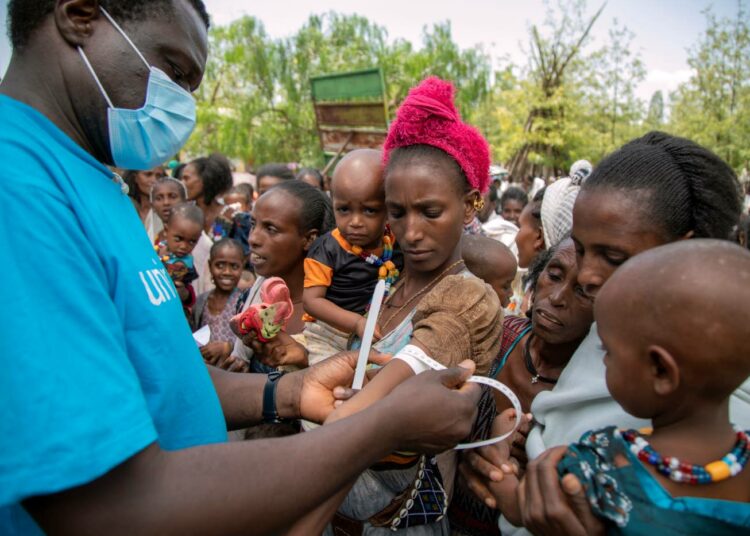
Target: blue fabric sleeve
72,406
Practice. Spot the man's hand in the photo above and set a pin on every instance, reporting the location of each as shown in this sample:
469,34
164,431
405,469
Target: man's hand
316,397
281,350
551,507
434,410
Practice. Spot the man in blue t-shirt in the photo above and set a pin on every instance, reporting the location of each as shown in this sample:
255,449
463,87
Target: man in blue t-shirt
111,422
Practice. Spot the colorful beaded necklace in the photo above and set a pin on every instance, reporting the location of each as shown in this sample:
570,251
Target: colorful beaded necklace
386,268
730,465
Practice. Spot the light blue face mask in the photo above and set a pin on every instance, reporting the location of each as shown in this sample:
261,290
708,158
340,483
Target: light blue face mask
146,137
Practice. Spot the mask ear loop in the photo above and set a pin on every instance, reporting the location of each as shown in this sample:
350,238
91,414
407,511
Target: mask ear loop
125,36
96,78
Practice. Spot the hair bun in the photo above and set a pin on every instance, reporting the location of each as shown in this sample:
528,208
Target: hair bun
428,116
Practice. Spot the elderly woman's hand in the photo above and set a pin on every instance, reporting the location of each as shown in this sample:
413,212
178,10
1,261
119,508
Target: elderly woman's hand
483,466
550,506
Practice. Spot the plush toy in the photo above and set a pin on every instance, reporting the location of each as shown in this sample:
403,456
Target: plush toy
267,318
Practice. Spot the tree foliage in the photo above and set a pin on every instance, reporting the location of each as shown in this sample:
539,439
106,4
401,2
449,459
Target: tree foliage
255,102
713,107
574,99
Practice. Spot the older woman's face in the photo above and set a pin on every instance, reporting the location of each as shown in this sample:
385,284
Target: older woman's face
562,312
609,227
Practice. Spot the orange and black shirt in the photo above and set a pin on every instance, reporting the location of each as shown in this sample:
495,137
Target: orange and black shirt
349,278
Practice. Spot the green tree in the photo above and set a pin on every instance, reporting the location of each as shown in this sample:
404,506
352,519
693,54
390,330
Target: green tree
255,102
655,115
555,58
614,111
713,107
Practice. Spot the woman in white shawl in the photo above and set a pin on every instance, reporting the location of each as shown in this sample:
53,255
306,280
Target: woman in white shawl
654,190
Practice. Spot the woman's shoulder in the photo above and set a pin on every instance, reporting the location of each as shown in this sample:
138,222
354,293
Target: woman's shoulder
464,285
515,325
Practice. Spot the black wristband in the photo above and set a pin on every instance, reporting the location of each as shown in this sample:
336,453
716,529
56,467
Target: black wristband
270,415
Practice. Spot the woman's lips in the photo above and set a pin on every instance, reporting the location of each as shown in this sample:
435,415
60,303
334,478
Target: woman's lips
417,254
548,318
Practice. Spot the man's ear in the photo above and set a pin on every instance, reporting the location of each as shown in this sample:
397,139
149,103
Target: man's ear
75,19
664,373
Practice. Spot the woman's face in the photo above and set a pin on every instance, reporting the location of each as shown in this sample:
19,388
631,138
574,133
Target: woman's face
562,312
277,245
511,210
145,179
609,227
193,182
529,239
226,267
427,214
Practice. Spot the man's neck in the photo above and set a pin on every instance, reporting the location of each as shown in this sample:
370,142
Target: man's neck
45,93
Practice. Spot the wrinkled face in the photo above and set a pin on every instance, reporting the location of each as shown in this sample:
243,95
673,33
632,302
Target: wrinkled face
226,267
530,240
562,312
511,210
359,207
182,235
165,196
278,246
145,180
174,42
193,182
609,227
427,214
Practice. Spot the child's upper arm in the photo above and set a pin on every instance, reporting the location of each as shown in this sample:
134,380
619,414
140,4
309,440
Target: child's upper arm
394,373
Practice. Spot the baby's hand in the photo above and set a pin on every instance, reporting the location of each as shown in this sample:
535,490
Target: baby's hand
360,330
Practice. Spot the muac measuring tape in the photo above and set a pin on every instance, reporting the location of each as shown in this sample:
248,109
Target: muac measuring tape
420,362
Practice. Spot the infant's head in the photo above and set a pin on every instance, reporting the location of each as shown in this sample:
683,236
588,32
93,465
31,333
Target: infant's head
183,229
673,321
358,196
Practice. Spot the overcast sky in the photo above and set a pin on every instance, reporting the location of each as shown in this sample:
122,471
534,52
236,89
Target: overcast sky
664,28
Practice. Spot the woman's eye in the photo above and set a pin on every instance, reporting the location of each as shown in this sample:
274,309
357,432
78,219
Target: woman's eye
395,214
615,258
433,213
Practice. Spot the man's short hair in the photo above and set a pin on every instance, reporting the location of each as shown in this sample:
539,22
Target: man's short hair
24,16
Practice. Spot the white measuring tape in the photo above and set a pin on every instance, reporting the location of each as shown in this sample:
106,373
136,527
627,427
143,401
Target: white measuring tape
420,362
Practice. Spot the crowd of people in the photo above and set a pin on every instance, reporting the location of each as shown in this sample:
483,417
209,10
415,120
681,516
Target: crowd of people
611,302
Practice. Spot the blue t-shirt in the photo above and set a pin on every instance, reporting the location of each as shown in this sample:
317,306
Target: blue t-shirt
97,358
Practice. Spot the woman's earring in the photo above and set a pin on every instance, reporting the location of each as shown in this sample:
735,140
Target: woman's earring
478,204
